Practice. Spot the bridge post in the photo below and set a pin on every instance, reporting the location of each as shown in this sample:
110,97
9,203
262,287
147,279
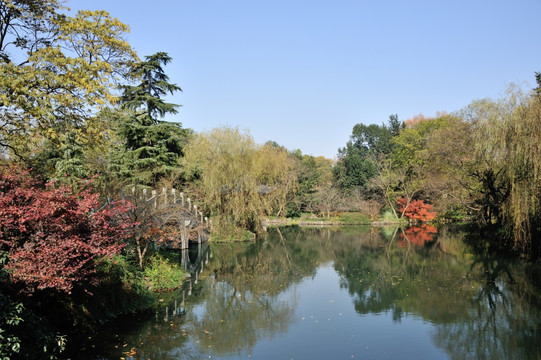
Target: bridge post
164,191
155,196
182,198
145,194
184,234
174,193
201,214
183,256
189,204
195,210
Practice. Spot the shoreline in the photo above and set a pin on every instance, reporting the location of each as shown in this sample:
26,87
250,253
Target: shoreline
307,222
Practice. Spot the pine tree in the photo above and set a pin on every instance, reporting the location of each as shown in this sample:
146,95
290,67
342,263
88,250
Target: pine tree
70,168
152,146
147,95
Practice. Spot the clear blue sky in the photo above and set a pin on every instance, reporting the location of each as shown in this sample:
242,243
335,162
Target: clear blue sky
303,73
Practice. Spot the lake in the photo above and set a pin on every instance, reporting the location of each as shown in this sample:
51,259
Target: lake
348,293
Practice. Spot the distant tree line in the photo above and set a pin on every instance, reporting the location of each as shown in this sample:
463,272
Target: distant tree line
481,164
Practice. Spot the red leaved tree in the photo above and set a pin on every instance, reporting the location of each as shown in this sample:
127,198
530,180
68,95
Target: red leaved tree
52,236
416,210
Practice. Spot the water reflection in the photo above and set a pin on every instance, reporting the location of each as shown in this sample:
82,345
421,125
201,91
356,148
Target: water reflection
503,318
232,321
417,235
254,298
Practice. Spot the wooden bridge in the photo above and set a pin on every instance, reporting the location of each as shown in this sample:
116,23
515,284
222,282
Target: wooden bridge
175,214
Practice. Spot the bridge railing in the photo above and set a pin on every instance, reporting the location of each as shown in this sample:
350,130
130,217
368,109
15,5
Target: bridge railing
172,197
173,206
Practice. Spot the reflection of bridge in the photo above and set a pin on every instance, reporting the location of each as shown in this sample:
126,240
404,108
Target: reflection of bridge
195,257
172,211
193,260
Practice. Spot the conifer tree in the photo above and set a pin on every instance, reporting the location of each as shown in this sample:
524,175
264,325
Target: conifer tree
70,168
152,146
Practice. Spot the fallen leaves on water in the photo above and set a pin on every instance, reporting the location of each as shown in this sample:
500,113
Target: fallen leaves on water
131,353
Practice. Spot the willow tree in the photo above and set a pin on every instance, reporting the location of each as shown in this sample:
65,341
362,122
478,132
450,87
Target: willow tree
507,135
240,180
520,136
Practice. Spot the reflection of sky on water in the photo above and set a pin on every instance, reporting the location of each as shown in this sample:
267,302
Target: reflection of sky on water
325,325
328,327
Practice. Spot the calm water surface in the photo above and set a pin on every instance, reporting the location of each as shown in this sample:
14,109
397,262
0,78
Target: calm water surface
353,293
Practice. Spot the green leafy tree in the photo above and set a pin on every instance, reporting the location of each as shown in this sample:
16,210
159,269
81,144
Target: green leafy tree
146,96
355,168
152,146
394,125
313,173
449,163
402,172
393,182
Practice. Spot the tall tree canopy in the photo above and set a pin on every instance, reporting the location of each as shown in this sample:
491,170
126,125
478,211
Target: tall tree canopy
145,97
152,146
356,166
55,70
314,174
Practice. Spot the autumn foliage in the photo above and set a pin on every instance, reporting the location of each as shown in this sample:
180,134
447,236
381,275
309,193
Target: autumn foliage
416,210
53,237
417,235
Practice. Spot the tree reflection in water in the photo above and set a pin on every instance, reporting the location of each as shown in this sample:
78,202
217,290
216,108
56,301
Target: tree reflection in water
417,235
478,306
482,306
503,321
233,320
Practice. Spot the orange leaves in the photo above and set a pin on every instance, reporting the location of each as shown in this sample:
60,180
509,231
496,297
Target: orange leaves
416,210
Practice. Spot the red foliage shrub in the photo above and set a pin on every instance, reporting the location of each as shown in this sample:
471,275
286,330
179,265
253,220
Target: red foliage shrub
52,236
416,210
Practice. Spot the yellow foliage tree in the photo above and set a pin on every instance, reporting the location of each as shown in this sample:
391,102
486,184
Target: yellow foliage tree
56,71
